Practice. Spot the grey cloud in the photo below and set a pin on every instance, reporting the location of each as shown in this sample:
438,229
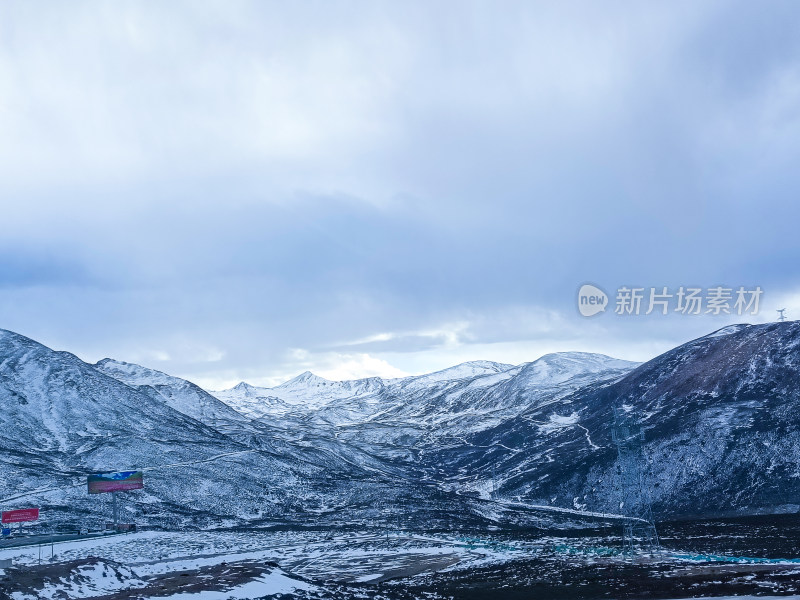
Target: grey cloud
234,180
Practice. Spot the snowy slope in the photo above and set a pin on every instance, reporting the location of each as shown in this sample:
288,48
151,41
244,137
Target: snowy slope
463,399
346,402
397,420
62,419
467,370
722,422
557,368
306,391
179,394
721,413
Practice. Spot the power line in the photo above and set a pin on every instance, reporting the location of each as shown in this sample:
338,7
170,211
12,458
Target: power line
638,527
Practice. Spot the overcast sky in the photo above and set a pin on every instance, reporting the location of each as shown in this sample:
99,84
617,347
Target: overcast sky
234,191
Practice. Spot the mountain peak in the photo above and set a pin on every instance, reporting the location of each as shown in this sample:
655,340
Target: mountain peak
485,364
562,366
305,379
465,370
583,358
113,362
476,367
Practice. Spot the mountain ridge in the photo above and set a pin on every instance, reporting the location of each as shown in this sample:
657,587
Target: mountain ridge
720,413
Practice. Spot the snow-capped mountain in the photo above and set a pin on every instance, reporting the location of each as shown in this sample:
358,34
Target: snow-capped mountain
306,391
400,420
721,421
414,411
62,419
344,402
182,395
559,367
721,415
467,370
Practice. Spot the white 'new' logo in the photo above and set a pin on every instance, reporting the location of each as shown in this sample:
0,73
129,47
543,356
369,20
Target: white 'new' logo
591,300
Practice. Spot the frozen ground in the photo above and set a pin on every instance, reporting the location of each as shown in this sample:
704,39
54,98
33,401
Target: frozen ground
358,556
256,563
742,558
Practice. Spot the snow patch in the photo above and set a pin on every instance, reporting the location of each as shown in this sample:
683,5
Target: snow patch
87,581
558,422
274,582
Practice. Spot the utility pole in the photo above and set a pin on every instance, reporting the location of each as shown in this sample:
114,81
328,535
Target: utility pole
638,527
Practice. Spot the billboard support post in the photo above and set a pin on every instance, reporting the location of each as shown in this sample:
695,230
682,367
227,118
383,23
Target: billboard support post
111,483
115,510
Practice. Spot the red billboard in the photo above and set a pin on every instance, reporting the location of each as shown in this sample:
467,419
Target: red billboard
20,516
122,481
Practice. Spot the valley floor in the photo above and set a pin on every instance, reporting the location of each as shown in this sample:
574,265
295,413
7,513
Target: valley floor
740,558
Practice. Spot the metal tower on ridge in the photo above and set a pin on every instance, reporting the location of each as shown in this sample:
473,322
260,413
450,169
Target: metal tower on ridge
781,316
638,528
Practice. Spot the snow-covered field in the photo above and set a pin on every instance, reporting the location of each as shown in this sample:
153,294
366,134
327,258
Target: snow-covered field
710,558
347,556
131,561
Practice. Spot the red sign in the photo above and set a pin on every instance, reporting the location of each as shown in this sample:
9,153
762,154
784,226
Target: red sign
20,516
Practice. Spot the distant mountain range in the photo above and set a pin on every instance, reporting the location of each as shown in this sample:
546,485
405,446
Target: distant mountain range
479,441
